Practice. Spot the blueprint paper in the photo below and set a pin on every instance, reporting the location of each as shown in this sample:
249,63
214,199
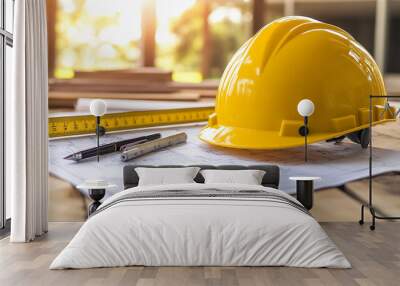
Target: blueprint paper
335,164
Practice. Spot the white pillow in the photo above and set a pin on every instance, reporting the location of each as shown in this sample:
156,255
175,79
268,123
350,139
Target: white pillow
248,177
166,176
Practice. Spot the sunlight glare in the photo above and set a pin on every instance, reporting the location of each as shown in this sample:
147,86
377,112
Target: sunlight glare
165,11
221,13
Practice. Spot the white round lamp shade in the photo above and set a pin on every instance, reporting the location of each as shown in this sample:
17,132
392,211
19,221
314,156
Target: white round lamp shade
98,107
305,107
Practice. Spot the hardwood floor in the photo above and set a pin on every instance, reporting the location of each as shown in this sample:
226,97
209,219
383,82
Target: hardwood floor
375,257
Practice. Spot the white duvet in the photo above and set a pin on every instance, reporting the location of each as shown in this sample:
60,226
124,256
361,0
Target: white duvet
200,231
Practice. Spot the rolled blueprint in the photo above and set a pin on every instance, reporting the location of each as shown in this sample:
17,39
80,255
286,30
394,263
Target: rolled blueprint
152,146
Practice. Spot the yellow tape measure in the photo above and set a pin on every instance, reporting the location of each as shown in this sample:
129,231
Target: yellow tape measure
86,124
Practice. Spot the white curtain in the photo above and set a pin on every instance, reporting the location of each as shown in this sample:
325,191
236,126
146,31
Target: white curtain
26,123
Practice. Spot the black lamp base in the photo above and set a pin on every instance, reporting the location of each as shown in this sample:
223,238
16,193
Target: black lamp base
305,193
96,195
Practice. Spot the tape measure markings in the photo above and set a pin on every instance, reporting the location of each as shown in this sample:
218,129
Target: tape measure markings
86,124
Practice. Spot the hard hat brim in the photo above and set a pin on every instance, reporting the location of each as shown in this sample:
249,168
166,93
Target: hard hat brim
243,138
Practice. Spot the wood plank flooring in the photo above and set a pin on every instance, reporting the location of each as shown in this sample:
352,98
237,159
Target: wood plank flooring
375,257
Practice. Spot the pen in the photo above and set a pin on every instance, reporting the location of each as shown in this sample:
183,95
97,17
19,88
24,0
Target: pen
153,145
110,148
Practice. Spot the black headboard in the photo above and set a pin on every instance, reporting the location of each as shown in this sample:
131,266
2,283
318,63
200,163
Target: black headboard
270,179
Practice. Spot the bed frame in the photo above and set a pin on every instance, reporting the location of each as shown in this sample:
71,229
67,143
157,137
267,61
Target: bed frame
270,179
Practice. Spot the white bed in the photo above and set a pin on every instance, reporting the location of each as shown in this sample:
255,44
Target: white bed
249,226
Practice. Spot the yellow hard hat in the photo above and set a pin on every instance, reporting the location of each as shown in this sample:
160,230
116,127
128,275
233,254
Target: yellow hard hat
292,59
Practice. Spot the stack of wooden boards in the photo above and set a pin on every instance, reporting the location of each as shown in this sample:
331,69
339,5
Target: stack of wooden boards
139,83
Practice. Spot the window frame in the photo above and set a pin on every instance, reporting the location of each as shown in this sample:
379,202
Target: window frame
6,39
